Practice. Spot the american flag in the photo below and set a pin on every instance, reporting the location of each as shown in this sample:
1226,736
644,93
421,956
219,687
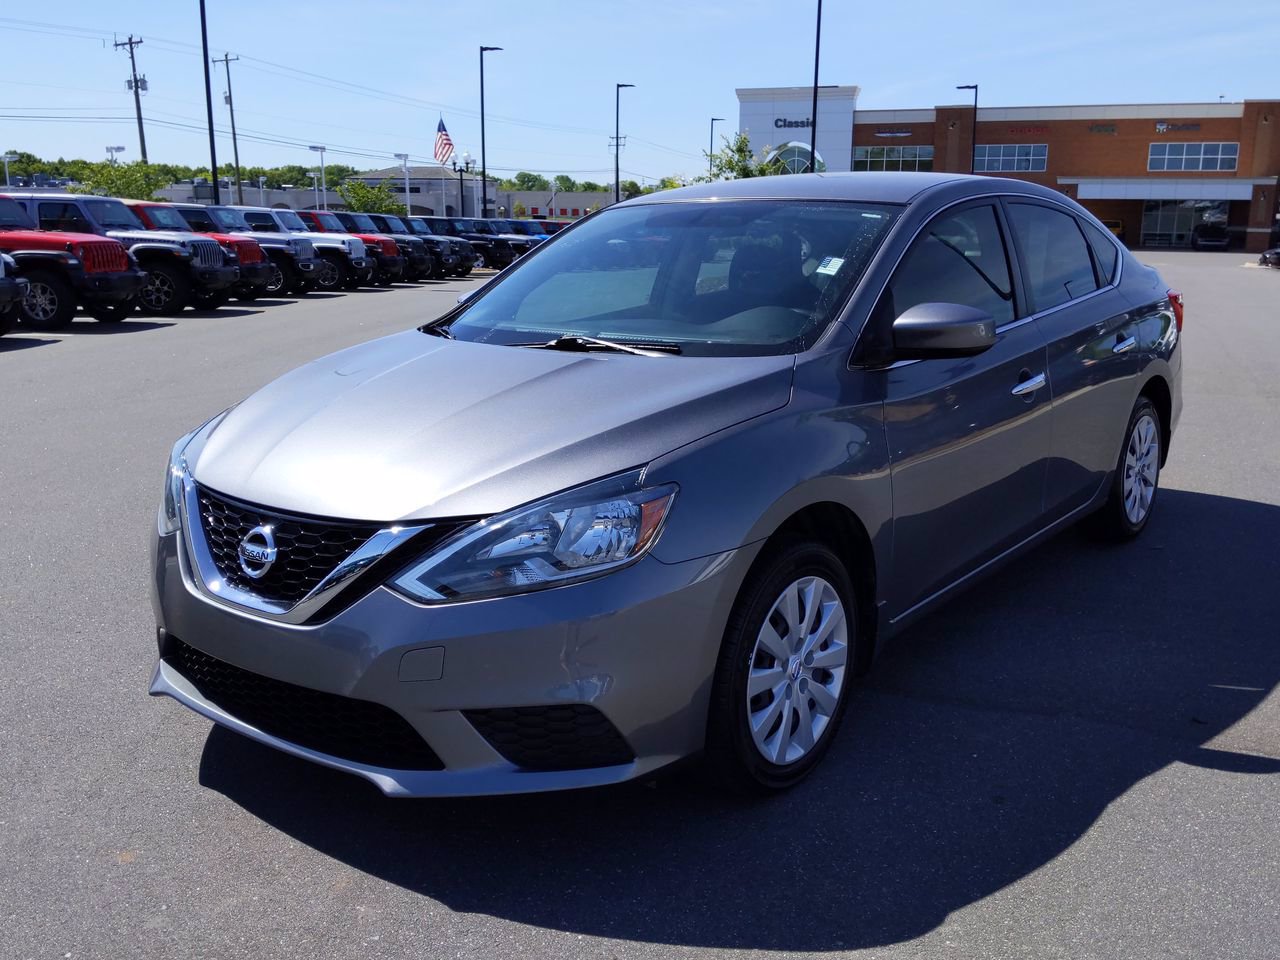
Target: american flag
444,146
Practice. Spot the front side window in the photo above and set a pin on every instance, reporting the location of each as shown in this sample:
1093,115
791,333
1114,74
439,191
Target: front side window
262,220
722,278
12,216
958,258
1010,158
63,216
199,219
1055,254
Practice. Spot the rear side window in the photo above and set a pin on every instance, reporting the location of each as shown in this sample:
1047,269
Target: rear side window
63,216
262,220
1105,255
958,258
198,220
1056,257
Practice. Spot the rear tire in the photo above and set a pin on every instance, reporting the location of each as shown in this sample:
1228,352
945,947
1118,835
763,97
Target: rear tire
785,670
166,292
50,303
1137,477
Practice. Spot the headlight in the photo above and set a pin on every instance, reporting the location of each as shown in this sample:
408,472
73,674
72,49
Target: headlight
566,538
169,518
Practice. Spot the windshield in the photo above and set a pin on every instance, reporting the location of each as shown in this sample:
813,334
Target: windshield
418,227
395,225
329,222
13,217
113,215
441,226
166,218
726,278
533,228
361,222
481,226
505,226
291,221
229,219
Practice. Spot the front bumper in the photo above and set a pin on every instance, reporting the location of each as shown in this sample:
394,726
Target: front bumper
639,645
254,276
108,288
389,266
359,264
12,290
214,278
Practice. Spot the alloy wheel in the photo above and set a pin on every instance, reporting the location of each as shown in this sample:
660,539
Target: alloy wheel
41,303
1141,468
797,670
276,281
327,275
159,291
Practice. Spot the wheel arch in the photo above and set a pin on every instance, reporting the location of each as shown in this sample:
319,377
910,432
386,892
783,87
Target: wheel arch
1157,391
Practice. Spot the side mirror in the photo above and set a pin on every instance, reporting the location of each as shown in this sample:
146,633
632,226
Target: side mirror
930,331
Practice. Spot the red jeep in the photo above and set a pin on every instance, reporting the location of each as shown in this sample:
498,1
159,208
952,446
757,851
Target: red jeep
255,268
67,269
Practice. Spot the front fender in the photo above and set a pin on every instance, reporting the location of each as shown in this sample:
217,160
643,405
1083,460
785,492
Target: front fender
144,250
36,258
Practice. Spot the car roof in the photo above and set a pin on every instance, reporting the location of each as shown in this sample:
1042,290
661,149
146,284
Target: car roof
871,187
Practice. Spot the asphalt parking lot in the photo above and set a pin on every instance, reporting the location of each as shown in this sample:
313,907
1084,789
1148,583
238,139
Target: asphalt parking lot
1079,758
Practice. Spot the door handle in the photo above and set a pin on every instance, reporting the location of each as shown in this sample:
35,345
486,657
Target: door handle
1124,346
1029,385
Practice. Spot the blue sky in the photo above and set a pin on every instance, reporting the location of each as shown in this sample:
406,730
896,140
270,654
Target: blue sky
377,73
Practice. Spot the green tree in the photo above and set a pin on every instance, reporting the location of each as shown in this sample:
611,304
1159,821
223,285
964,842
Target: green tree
565,183
361,197
518,210
735,161
629,189
136,181
666,183
531,181
590,186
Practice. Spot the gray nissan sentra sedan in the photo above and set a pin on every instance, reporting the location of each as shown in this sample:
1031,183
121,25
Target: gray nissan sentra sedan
664,487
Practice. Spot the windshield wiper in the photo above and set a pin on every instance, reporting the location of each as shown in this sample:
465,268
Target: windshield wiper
437,330
578,342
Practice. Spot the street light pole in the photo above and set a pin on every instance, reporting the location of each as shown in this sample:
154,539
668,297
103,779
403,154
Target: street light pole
813,128
484,169
324,187
404,164
617,138
208,104
314,191
712,149
7,158
262,195
973,135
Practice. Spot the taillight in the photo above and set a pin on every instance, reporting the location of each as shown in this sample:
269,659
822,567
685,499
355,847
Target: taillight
1175,300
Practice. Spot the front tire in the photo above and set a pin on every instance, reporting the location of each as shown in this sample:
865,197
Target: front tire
333,272
112,312
1137,477
166,292
278,280
785,669
50,303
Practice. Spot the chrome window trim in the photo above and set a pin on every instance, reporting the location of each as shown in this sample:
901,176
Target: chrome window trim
208,581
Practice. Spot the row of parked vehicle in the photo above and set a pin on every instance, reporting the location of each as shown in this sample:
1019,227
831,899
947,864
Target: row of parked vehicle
111,257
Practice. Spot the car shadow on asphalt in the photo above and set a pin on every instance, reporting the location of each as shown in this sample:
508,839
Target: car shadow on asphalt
88,326
12,344
985,742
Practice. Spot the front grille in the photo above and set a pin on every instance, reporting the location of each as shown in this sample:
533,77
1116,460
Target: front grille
565,736
304,249
389,248
207,253
355,730
247,251
308,548
104,257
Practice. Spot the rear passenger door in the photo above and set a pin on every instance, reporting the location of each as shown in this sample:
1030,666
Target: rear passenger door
1069,270
968,438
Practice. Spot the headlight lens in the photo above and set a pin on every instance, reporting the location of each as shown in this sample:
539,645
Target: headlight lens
169,519
569,537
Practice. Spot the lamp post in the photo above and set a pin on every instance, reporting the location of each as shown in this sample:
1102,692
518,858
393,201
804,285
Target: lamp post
617,138
314,191
712,149
111,155
324,187
262,194
7,158
973,146
404,165
466,166
813,122
484,169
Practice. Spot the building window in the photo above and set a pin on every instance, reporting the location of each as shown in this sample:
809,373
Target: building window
893,158
796,158
1193,156
1010,157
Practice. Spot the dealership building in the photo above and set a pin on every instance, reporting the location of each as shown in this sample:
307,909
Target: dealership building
1164,175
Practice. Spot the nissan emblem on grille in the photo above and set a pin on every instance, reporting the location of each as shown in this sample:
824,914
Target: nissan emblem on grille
257,552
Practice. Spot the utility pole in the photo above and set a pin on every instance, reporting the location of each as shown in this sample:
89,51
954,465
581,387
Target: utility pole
617,138
208,105
137,86
226,62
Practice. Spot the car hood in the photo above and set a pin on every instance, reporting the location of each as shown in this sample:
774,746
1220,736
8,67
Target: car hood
152,236
413,426
46,237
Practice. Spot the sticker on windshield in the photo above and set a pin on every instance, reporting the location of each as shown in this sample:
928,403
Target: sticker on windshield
830,265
